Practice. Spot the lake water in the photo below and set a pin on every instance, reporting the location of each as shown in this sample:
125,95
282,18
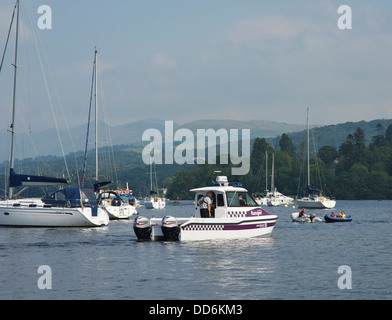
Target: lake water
298,261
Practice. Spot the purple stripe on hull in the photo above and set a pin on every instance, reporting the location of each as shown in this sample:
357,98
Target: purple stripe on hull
229,227
249,226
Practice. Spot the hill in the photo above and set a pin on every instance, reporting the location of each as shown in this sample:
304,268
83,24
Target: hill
334,135
46,142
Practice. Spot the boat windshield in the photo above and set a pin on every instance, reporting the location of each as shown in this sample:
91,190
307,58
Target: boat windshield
240,199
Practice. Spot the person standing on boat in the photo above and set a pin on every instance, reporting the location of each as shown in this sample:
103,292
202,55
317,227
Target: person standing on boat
205,205
241,201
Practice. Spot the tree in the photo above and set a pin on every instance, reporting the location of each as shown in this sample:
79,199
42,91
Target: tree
388,134
286,144
327,154
379,139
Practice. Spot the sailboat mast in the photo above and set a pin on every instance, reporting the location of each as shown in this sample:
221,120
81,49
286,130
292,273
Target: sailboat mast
12,127
266,170
307,125
96,116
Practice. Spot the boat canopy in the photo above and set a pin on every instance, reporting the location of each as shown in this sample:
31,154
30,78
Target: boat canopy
70,197
313,191
17,180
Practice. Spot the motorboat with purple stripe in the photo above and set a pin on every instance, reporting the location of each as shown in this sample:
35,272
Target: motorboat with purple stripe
234,215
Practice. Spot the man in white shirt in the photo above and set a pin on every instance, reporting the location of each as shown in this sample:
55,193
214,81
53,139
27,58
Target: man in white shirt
205,205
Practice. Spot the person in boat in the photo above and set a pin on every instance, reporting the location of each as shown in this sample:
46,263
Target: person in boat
205,204
213,205
241,201
341,215
333,215
302,213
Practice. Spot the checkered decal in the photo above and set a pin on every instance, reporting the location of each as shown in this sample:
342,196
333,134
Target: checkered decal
236,214
204,227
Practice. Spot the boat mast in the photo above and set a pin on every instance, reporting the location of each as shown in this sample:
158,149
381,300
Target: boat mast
96,116
12,127
266,171
307,124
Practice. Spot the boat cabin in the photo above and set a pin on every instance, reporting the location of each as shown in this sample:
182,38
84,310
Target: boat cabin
228,199
71,197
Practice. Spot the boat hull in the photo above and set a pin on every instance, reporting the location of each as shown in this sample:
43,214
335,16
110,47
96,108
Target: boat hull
307,219
122,212
328,218
197,229
159,204
51,217
316,204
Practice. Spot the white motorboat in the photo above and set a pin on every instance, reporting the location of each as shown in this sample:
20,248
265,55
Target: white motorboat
155,203
232,218
116,206
68,207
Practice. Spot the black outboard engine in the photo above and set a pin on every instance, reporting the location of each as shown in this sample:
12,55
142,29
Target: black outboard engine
142,228
170,228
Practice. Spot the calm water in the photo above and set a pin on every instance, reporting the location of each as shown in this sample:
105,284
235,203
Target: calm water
299,261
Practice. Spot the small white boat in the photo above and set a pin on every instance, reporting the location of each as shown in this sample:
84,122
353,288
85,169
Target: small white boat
232,218
155,203
116,206
306,218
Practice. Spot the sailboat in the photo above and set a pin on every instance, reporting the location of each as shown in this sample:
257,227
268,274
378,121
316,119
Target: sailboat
274,197
154,202
68,207
315,198
115,206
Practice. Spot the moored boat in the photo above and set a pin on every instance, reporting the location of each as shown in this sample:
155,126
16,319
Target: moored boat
235,215
68,207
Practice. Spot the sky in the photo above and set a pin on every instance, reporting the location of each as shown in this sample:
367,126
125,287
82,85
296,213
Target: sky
193,60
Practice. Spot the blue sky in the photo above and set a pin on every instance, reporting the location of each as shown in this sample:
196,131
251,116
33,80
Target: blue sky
190,60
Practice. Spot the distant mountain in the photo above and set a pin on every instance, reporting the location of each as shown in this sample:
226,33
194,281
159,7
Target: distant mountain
47,143
334,135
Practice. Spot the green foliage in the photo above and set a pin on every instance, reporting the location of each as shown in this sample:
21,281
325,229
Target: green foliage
355,169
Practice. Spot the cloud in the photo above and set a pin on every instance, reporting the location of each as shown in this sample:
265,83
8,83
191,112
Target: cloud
258,31
160,61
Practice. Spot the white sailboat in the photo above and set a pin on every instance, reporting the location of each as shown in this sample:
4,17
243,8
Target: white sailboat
109,200
315,198
68,207
274,197
154,201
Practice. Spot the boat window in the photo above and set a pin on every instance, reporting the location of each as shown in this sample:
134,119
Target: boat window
240,199
59,195
220,202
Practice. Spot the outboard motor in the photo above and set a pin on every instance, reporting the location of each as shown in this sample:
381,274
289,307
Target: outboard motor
142,228
170,228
